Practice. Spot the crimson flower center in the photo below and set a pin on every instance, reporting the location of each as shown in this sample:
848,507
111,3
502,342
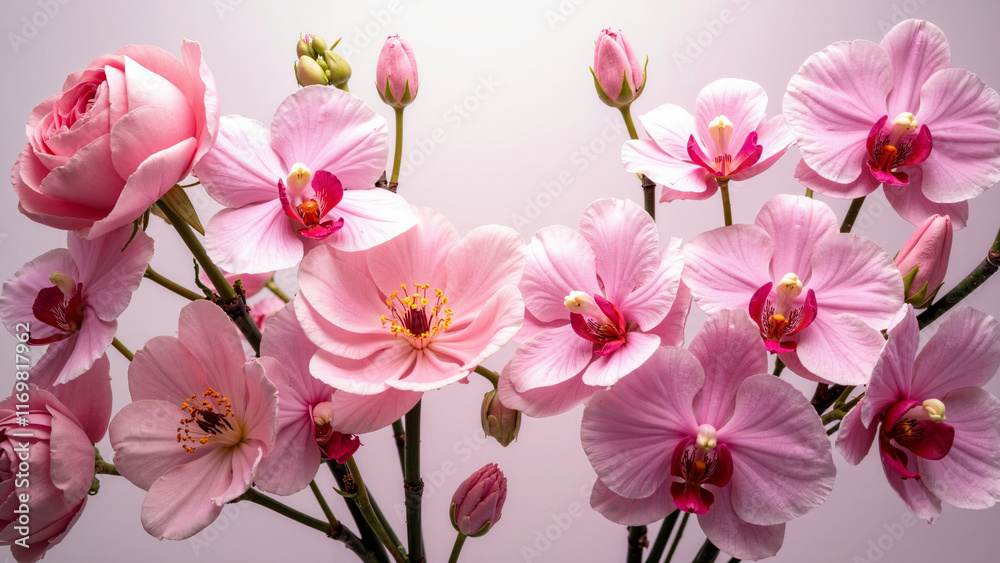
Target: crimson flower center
308,198
598,320
59,306
205,420
699,461
417,316
778,317
905,144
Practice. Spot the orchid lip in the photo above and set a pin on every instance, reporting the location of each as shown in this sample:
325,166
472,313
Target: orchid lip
911,424
605,326
53,308
779,319
309,205
695,466
906,144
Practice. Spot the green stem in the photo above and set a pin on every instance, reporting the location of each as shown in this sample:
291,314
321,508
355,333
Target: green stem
189,185
636,543
413,486
707,553
459,542
662,537
102,467
727,210
779,366
385,525
226,292
677,538
852,215
649,196
977,277
399,434
398,157
489,374
365,504
277,290
840,413
627,115
368,537
171,285
809,194
322,504
257,497
833,429
121,348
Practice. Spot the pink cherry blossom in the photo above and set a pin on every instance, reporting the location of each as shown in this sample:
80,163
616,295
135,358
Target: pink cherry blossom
938,431
313,418
415,313
64,422
709,431
200,421
896,114
599,303
307,181
71,298
729,137
819,296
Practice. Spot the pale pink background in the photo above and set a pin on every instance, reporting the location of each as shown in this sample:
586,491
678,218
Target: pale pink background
489,166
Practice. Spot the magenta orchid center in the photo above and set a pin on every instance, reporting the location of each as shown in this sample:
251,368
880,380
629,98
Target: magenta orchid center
598,320
416,316
59,306
724,161
917,427
332,444
206,421
778,316
308,198
905,143
699,461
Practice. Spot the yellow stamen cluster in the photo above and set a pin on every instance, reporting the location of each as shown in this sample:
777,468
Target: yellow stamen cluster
209,416
409,314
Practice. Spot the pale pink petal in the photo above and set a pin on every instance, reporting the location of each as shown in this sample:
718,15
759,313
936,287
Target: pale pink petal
360,414
258,413
852,274
696,184
648,304
841,348
914,493
625,244
334,339
329,129
253,239
964,352
285,341
480,265
792,363
854,440
833,102
670,126
728,349
741,101
76,354
88,397
549,358
419,255
365,376
154,177
147,130
799,223
963,115
629,431
918,49
109,271
724,267
559,261
862,186
206,331
371,217
342,295
88,178
494,325
632,512
671,330
543,401
969,476
911,203
607,370
774,136
72,456
20,290
735,536
430,372
533,327
241,168
647,157
178,503
204,91
890,382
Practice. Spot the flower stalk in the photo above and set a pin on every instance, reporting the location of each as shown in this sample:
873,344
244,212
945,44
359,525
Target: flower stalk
121,348
413,486
457,549
173,286
637,542
852,214
662,537
977,277
727,210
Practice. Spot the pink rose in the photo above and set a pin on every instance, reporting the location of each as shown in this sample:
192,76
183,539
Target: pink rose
121,133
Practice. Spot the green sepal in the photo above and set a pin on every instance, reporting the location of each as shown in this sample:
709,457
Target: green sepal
600,91
908,279
178,202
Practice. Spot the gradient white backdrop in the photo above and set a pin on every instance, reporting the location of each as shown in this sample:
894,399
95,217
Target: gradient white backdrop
506,129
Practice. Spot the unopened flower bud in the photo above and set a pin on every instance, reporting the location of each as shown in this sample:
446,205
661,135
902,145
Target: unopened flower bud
477,503
317,43
339,71
618,74
499,421
923,261
396,73
308,72
332,444
303,49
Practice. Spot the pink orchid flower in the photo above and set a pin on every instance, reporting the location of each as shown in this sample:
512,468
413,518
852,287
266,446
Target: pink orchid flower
930,454
71,298
315,421
63,423
308,181
707,430
415,313
818,296
896,114
728,137
200,421
599,303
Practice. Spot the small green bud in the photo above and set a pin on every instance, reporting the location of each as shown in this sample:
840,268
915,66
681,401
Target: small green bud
309,72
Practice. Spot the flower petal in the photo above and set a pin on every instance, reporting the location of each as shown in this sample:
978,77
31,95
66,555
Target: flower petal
20,290
852,274
914,493
494,325
912,205
559,261
551,357
365,376
342,296
360,414
736,536
109,271
724,267
649,304
842,349
632,512
800,223
253,239
741,101
669,126
964,352
88,397
890,382
862,186
625,243
609,369
371,217
854,440
241,168
419,255
178,504
543,401
918,49
646,157
481,264
774,136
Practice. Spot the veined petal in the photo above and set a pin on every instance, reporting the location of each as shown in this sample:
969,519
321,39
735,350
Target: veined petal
890,382
549,358
913,492
854,440
625,244
774,136
21,289
360,414
494,325
736,536
341,294
799,223
419,255
241,168
543,401
108,273
366,376
206,331
480,265
741,101
632,512
912,204
725,266
559,261
964,352
669,126
852,274
371,217
177,505
862,186
609,369
918,49
253,239
646,157
840,348
648,304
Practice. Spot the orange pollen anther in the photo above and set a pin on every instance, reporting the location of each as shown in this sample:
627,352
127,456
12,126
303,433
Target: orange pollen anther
778,325
310,212
209,417
415,316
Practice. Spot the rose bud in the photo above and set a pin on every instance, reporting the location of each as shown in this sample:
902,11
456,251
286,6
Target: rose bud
499,421
618,75
477,503
396,73
923,260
